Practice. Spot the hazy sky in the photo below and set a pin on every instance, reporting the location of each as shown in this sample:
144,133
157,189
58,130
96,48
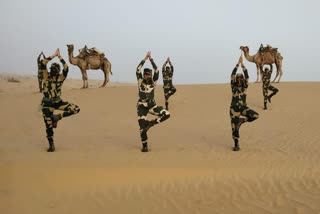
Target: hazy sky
201,37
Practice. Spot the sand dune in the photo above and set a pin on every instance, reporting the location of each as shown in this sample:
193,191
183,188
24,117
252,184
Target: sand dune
98,167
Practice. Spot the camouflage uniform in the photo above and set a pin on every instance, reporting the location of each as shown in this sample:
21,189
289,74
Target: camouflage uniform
238,104
146,103
266,76
40,73
51,98
168,87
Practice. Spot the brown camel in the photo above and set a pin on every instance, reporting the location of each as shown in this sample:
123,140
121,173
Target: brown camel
94,62
267,58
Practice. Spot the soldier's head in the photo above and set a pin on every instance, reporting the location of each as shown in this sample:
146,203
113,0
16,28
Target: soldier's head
168,68
147,75
54,69
239,79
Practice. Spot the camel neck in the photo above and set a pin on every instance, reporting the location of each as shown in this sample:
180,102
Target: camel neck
248,57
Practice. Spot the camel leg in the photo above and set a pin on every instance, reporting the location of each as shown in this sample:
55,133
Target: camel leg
86,79
260,75
83,78
258,72
105,78
279,69
280,76
106,69
276,74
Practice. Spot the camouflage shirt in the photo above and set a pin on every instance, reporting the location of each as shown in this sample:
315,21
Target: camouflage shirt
239,93
167,75
146,91
52,85
266,76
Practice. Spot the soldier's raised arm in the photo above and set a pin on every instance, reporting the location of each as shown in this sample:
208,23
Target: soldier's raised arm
138,71
44,63
156,71
38,59
164,66
245,71
171,66
271,68
261,67
233,74
64,64
234,71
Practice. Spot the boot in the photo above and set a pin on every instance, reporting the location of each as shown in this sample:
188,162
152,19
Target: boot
236,145
51,146
269,98
265,106
55,119
167,106
145,147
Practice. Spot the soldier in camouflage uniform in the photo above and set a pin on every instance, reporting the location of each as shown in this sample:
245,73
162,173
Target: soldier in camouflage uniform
52,83
40,74
266,76
146,103
239,85
169,89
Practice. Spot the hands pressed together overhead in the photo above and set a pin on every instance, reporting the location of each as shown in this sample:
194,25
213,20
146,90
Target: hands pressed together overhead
240,61
57,53
148,56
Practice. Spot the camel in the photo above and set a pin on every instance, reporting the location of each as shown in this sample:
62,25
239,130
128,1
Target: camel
268,58
94,62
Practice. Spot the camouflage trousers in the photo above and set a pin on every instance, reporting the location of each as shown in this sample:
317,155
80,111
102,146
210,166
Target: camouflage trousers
235,113
265,92
40,81
47,112
143,109
168,92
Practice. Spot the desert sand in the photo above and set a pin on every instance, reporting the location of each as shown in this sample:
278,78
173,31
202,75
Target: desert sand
191,168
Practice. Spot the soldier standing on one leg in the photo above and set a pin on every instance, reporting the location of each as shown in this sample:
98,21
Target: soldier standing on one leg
266,76
239,85
146,103
40,72
52,83
167,74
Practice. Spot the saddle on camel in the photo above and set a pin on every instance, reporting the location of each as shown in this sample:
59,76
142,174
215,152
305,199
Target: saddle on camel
268,48
85,51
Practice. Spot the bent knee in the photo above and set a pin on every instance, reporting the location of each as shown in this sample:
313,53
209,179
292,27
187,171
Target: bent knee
166,112
76,109
253,117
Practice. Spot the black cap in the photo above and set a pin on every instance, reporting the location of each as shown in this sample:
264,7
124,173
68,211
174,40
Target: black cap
147,71
55,67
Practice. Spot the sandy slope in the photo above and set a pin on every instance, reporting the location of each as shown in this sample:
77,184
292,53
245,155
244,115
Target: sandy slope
98,167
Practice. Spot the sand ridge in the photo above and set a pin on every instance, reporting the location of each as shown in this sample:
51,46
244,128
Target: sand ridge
98,167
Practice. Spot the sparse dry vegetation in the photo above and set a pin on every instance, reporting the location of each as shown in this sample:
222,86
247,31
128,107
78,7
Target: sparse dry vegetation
13,79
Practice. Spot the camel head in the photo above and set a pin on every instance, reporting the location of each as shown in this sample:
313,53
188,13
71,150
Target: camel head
244,49
70,47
